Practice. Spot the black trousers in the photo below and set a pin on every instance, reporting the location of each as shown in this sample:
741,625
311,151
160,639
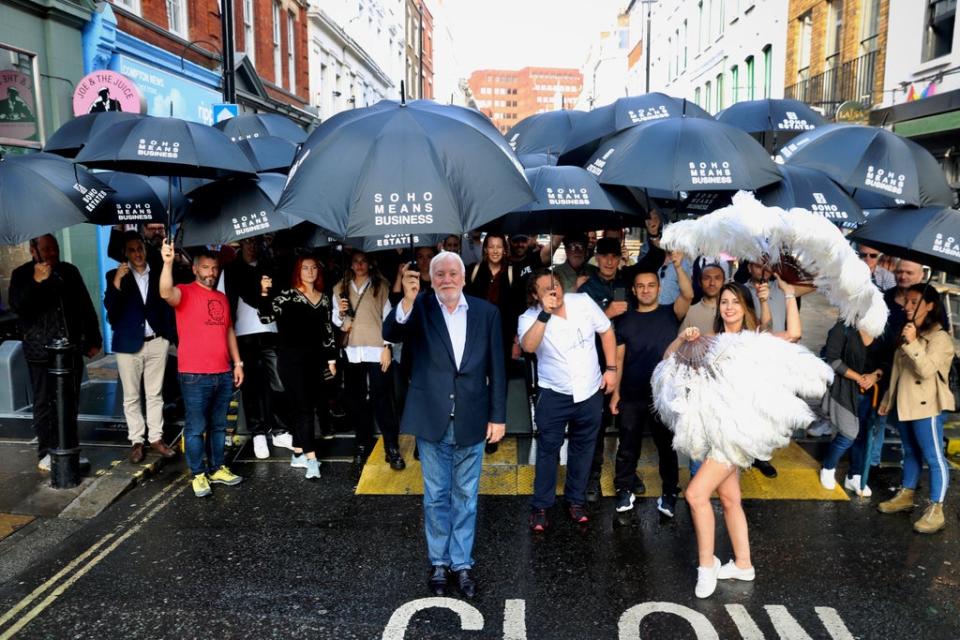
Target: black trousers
301,374
606,418
262,391
368,395
634,415
45,405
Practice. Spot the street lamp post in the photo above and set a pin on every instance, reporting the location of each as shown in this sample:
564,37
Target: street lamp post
226,33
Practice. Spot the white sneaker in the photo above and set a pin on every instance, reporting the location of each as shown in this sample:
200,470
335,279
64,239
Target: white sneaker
260,448
853,484
828,479
284,440
707,579
731,571
820,429
44,463
298,461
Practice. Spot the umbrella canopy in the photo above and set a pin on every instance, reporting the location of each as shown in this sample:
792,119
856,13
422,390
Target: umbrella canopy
684,154
774,121
814,191
369,244
405,168
544,132
248,126
42,193
269,153
69,139
534,160
138,199
568,199
928,235
231,210
165,147
620,115
892,170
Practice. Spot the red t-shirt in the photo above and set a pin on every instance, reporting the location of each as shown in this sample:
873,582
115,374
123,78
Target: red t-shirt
203,318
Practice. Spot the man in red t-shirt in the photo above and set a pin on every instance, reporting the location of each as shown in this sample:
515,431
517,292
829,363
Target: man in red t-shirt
208,344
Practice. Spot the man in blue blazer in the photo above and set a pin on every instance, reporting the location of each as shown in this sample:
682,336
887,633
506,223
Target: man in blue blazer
455,404
143,329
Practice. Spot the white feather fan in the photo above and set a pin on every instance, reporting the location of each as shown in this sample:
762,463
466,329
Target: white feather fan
748,229
743,399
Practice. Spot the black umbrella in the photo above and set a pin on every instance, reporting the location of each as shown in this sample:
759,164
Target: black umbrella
405,168
248,126
230,210
892,170
814,191
369,244
137,199
623,114
544,132
269,153
684,154
69,139
774,122
42,193
930,235
534,160
568,199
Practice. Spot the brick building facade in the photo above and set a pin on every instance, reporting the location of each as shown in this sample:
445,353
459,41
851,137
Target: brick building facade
836,52
508,96
419,49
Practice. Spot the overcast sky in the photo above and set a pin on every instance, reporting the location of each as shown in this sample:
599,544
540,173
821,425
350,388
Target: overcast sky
510,34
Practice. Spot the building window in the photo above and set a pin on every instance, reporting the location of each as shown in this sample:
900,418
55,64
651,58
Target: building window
21,125
869,26
751,79
721,17
133,6
277,62
249,37
676,51
696,96
670,71
707,95
734,84
834,33
700,26
684,45
719,85
804,46
177,17
767,70
291,51
938,34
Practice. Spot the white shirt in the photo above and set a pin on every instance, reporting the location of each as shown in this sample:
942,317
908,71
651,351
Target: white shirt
456,324
143,283
567,356
359,353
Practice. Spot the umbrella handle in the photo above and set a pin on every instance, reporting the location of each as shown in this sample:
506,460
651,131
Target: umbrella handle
875,399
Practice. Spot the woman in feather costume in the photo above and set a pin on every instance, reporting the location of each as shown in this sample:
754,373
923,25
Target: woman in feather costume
731,398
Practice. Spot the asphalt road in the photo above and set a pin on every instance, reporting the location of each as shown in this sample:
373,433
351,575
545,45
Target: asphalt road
280,557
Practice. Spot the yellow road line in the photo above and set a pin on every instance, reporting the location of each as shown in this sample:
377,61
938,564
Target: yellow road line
36,593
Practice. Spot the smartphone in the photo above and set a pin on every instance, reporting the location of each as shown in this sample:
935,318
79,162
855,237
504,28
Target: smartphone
619,294
412,266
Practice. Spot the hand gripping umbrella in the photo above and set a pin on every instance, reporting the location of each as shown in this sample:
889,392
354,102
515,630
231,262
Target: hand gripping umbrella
878,168
42,193
69,139
249,126
404,168
773,122
814,191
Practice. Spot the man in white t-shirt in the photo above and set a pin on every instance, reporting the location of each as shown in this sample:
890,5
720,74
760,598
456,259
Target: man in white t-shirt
561,328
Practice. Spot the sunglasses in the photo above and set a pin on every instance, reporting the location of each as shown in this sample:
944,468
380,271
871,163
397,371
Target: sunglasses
872,256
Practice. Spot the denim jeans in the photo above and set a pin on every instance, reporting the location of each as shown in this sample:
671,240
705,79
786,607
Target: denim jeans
554,412
876,447
451,483
923,441
206,398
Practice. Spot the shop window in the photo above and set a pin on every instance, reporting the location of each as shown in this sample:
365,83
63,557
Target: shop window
938,32
21,123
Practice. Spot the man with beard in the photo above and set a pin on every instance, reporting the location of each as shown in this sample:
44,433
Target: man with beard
702,314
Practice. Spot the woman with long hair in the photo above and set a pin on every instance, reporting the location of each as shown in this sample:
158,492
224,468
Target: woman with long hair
735,314
305,341
919,394
361,301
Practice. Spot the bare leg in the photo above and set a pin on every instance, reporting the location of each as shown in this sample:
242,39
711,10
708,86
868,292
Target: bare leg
736,519
697,494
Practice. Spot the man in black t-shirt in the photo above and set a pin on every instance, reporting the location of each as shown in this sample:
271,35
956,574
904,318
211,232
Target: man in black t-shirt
643,335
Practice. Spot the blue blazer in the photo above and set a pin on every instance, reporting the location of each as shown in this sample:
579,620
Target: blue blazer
127,312
477,391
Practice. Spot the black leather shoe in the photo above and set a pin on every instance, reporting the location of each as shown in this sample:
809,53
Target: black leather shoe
395,459
765,468
437,582
466,583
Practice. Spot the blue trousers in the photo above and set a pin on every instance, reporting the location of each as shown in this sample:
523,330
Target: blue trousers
206,398
923,441
554,412
858,446
451,483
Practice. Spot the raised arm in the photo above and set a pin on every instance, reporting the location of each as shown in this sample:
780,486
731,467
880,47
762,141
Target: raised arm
167,291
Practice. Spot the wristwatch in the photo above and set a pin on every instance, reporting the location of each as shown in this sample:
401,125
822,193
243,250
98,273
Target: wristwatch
238,363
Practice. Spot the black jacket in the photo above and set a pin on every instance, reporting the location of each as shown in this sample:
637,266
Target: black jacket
127,312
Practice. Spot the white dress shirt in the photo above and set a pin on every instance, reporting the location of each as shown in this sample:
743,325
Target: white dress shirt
143,283
567,359
456,324
359,353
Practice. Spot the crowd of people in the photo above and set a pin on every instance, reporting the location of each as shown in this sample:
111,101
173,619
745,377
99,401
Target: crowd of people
423,344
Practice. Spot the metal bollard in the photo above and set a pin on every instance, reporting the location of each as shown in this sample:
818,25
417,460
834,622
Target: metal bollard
65,459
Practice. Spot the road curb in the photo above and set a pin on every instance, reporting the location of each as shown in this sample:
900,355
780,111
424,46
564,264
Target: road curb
109,486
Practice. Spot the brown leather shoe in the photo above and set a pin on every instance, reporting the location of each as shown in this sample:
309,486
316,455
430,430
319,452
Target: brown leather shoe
162,449
136,453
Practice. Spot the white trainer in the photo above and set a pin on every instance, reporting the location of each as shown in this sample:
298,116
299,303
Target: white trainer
820,428
298,461
853,484
707,579
260,448
44,463
284,440
828,479
731,571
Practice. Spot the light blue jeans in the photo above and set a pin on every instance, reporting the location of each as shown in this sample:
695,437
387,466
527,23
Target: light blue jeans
451,483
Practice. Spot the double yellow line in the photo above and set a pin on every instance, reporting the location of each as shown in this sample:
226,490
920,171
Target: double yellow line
82,564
